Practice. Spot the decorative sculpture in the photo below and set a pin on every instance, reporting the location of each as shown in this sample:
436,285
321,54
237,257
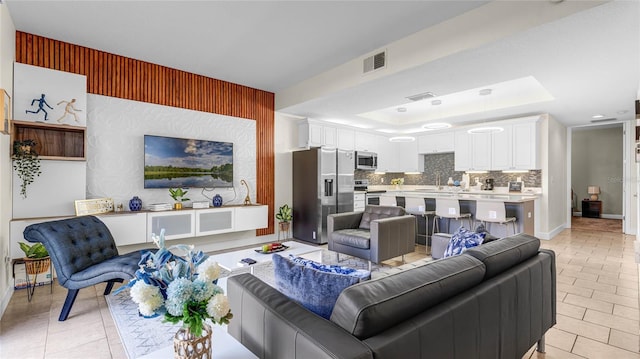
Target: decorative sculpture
69,109
247,199
41,103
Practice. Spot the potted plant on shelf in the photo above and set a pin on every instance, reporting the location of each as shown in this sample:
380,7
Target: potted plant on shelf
284,216
26,163
178,195
36,258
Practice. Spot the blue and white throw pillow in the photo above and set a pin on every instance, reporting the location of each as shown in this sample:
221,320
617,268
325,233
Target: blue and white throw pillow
359,273
315,290
462,240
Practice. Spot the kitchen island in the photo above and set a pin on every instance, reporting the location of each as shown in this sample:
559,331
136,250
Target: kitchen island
519,205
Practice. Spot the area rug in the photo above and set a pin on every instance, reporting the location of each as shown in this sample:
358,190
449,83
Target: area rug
141,336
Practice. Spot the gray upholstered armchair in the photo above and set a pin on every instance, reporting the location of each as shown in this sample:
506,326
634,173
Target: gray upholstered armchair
377,234
84,254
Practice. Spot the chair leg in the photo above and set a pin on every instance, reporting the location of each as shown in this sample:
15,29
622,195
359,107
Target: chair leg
68,303
110,284
540,345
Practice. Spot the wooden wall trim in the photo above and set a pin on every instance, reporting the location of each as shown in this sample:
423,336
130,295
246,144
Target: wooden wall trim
123,77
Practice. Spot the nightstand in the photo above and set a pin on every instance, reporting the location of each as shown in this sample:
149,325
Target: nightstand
592,209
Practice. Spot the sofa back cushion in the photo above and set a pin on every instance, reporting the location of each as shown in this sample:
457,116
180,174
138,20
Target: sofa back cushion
371,307
371,213
505,253
74,244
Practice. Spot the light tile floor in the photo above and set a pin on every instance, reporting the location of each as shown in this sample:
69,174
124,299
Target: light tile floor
597,308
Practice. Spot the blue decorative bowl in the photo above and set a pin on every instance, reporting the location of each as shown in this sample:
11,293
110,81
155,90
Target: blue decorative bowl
217,200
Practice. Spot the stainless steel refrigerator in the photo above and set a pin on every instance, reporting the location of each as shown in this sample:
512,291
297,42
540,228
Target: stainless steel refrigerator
322,185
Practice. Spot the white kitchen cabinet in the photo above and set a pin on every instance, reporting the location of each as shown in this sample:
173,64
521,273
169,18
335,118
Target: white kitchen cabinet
358,201
436,143
385,154
525,146
329,138
346,139
515,148
127,227
310,134
472,151
366,142
407,158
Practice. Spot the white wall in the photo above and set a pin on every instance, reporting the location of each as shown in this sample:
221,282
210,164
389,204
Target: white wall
115,150
552,208
7,56
286,141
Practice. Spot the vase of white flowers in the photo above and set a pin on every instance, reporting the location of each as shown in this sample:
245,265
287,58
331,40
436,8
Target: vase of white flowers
183,289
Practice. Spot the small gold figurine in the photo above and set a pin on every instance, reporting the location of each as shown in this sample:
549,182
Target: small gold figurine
247,199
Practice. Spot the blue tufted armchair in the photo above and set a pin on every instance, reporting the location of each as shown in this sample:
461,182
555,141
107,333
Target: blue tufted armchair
84,254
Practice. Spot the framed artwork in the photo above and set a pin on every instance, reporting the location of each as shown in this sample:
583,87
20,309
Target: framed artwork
5,106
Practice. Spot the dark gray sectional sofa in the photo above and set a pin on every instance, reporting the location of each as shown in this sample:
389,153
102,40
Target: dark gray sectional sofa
494,301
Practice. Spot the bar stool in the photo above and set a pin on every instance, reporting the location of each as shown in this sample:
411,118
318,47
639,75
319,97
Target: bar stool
449,208
387,200
494,212
417,207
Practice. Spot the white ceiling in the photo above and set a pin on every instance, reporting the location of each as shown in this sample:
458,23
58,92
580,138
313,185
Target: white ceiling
587,62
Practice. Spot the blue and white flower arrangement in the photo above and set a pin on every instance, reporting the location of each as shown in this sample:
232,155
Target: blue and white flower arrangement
182,288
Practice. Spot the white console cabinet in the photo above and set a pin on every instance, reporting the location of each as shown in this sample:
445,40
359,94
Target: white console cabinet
250,217
127,227
176,224
136,227
214,221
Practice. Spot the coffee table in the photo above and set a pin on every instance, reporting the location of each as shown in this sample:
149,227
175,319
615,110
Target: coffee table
230,260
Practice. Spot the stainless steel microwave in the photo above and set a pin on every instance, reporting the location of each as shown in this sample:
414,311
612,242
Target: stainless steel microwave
367,161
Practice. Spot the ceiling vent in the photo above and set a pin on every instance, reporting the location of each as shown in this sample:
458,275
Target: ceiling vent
421,96
604,120
374,62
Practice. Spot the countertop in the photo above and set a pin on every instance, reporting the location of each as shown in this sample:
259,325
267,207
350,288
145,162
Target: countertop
470,196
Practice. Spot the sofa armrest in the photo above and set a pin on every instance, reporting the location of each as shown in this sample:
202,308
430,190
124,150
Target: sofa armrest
273,326
392,237
338,221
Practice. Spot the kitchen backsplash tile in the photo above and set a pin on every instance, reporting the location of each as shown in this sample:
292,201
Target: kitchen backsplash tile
442,164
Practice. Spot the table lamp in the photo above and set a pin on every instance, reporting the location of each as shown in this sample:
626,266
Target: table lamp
594,191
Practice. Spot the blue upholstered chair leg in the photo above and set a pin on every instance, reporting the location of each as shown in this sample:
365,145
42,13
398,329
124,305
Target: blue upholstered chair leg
110,284
68,303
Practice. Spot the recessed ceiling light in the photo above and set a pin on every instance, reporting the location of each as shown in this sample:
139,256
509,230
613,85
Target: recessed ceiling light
402,139
485,92
622,112
597,116
486,129
436,102
401,109
436,126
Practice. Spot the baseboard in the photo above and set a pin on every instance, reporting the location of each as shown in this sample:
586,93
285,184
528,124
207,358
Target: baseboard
606,216
6,297
552,233
612,216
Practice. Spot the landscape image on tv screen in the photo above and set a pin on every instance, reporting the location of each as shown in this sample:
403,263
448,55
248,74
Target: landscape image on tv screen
179,162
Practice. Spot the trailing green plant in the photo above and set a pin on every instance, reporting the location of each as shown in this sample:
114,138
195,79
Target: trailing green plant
177,194
35,251
285,213
26,163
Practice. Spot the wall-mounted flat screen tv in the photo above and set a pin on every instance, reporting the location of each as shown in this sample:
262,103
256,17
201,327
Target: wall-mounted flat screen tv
187,163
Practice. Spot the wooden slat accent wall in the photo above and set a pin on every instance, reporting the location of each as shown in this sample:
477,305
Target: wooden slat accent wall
131,79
